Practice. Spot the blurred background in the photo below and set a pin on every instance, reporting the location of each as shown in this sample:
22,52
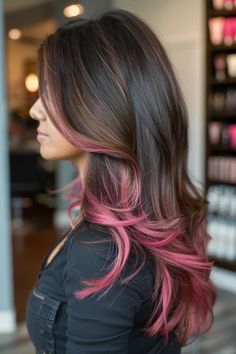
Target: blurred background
200,39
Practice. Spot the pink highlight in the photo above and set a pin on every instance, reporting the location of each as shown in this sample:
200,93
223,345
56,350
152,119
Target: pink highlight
165,240
136,183
162,228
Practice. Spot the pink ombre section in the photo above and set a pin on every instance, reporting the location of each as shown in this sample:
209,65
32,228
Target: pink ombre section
183,295
181,262
136,135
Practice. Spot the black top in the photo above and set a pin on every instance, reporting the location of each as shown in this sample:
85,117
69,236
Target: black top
59,323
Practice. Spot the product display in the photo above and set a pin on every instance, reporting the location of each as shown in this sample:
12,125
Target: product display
222,169
229,30
230,101
220,67
222,30
232,135
216,102
222,134
231,65
214,132
220,183
223,102
216,26
222,222
224,66
224,4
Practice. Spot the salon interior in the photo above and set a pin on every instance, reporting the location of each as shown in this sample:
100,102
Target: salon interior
200,39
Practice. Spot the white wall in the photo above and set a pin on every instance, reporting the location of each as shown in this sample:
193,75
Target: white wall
180,27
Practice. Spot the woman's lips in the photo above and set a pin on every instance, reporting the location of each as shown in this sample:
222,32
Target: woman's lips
41,136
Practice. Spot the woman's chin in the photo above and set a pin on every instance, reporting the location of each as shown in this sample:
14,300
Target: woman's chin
47,154
50,151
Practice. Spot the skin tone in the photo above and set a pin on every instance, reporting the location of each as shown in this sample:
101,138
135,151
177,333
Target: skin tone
55,147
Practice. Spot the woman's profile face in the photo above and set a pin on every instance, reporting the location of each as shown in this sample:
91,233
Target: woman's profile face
53,145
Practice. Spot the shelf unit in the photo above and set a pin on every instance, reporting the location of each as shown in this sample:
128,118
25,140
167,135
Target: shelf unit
222,12
225,117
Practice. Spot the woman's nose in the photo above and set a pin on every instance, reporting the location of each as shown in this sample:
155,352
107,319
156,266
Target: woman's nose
36,113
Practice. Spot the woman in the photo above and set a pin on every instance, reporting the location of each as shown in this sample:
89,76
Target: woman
131,275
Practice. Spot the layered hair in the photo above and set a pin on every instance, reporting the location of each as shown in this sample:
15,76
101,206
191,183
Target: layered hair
110,89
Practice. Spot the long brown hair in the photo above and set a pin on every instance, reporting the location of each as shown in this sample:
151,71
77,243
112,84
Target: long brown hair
110,89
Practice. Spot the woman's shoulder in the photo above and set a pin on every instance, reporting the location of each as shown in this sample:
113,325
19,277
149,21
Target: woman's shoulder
88,238
93,251
90,250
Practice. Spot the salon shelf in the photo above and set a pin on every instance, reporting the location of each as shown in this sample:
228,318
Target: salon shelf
222,117
211,182
222,149
228,81
225,117
230,265
222,13
222,48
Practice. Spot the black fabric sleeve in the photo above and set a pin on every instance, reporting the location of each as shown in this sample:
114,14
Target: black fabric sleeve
99,326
